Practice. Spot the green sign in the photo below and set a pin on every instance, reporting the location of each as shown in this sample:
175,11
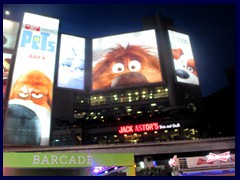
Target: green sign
59,160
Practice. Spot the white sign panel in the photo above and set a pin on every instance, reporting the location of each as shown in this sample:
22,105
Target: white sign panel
30,100
184,63
201,161
71,62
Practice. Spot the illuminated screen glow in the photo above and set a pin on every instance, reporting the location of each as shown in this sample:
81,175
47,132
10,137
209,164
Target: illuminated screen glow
125,60
10,34
71,62
184,63
30,100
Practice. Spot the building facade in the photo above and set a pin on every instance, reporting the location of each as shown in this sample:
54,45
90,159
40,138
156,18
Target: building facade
95,117
136,117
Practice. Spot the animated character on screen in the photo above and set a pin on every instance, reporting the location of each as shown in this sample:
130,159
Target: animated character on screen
122,67
29,110
71,71
185,68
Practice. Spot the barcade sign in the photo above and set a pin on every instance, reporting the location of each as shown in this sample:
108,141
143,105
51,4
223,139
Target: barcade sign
63,159
60,160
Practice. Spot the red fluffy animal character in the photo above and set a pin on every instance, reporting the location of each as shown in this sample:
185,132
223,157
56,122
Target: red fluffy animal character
34,86
123,67
28,115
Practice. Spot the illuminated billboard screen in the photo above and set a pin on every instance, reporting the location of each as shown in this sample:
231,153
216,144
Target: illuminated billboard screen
184,63
10,34
71,62
125,60
7,59
28,115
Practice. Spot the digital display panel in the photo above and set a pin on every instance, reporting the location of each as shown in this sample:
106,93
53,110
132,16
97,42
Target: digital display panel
7,60
184,63
71,62
28,115
10,34
125,60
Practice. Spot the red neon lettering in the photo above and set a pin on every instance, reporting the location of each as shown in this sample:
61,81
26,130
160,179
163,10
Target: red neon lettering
149,127
156,126
125,129
143,127
138,128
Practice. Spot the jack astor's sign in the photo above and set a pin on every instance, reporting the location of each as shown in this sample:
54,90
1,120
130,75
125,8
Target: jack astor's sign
139,128
145,127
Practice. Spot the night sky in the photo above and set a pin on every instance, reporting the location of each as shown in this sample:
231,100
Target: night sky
211,27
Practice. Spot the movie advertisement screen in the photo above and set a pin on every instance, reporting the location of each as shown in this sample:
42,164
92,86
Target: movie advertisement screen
184,64
28,115
125,60
7,59
10,33
71,62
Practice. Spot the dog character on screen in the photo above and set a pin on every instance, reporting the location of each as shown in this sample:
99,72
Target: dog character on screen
185,68
123,67
29,110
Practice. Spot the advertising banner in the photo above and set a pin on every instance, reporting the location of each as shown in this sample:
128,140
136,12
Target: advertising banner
184,63
71,62
28,115
59,160
202,161
125,60
10,34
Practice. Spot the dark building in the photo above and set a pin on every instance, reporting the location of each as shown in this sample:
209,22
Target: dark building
219,108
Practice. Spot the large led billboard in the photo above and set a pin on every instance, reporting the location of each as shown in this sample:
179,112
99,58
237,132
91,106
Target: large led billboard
184,63
125,60
71,62
28,115
10,34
